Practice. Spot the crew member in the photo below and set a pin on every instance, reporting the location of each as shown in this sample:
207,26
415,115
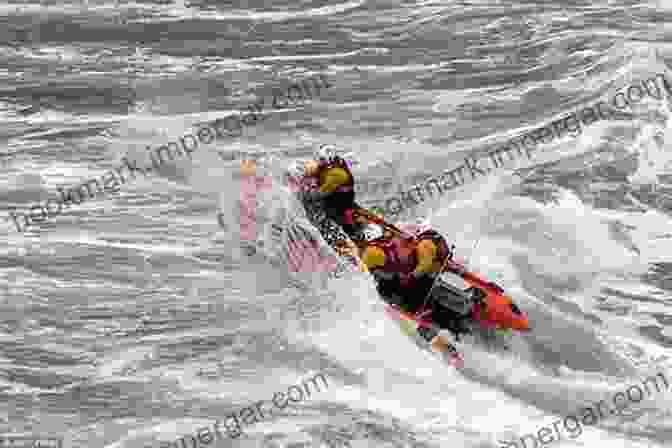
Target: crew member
372,259
406,268
336,188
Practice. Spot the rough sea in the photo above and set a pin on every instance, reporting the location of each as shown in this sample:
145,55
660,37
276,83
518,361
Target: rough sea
134,319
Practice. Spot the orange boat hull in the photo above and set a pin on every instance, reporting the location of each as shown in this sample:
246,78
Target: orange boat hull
497,309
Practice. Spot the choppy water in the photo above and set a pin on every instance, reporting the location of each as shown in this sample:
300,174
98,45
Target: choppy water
112,312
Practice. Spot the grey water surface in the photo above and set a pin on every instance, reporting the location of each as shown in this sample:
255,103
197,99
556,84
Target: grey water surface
134,320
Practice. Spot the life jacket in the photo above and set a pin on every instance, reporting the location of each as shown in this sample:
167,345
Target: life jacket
441,244
337,162
400,255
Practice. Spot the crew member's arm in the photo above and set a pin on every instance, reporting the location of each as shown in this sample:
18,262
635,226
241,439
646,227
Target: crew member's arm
373,257
333,179
426,252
